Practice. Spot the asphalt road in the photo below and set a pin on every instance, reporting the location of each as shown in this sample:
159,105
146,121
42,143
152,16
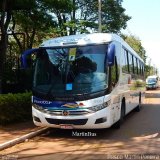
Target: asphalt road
138,137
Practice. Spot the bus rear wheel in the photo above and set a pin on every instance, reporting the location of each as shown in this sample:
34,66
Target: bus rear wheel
138,108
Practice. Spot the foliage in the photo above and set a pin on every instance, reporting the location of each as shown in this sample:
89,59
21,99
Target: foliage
15,108
28,22
17,81
17,4
31,21
82,16
113,16
7,7
138,84
150,70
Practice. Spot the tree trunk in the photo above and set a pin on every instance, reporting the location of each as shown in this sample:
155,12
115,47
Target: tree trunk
32,38
73,18
3,48
20,45
4,22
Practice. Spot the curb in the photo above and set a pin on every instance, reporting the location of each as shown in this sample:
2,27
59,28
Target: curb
22,138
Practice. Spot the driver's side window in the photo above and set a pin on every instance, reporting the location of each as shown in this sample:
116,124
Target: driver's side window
114,73
84,65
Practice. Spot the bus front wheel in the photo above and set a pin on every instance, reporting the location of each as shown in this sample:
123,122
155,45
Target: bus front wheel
117,125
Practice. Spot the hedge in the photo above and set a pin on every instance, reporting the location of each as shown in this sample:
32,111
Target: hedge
15,108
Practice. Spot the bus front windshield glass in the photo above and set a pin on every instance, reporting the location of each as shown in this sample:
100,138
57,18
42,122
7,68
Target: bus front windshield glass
151,80
71,70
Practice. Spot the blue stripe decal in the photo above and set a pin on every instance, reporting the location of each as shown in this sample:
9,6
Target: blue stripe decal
54,104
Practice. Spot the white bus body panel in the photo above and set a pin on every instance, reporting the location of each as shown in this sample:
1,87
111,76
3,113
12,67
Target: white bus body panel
89,125
92,117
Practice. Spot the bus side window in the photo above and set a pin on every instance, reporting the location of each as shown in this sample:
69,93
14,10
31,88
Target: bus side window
125,65
139,68
135,65
130,62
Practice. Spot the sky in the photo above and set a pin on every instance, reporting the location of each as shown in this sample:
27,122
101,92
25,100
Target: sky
145,24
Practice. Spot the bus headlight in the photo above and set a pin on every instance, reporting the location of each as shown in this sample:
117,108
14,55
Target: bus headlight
40,108
100,107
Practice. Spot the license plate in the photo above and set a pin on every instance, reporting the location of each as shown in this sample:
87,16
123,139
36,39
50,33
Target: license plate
66,126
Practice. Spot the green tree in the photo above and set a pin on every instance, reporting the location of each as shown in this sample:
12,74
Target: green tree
113,16
6,11
33,23
81,16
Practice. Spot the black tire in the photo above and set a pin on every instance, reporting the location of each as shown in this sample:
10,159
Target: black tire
138,108
117,125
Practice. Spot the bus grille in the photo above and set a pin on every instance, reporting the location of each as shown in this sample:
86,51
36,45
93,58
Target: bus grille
66,121
71,112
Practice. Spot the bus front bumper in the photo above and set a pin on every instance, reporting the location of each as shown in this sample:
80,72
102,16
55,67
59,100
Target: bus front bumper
97,120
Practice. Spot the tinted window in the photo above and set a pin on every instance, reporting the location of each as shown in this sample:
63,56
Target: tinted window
125,67
130,61
135,64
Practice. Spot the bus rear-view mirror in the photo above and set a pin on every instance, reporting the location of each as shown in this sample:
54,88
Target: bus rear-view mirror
25,56
111,54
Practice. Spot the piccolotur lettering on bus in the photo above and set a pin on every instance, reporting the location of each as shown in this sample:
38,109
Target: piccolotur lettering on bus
41,102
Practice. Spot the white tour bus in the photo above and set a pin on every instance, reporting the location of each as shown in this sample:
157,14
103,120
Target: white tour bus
86,81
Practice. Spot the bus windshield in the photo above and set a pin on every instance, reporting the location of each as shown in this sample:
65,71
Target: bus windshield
71,70
151,80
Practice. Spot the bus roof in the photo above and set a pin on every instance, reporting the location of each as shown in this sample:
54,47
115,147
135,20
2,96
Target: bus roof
85,39
82,39
153,76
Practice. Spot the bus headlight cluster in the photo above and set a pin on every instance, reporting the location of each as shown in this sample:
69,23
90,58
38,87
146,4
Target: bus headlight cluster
40,108
100,107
